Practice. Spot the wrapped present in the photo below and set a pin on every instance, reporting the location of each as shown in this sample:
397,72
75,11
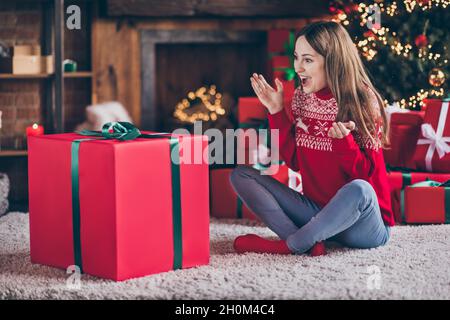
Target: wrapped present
432,147
426,202
119,206
276,40
295,180
224,201
404,133
398,181
250,109
283,69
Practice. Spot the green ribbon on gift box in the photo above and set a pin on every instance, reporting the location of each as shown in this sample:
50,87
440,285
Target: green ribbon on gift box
125,131
289,49
429,183
406,174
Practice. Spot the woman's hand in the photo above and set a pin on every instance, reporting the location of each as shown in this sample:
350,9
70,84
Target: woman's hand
340,130
272,99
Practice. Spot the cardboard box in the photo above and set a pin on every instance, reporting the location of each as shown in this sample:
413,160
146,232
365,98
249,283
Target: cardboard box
21,65
26,50
27,65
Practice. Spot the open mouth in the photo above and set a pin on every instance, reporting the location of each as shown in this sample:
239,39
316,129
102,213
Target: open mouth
305,81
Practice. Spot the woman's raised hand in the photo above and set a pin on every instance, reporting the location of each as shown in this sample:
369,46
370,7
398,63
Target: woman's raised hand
340,130
272,99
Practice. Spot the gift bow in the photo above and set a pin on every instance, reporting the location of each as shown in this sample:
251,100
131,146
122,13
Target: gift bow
435,139
121,131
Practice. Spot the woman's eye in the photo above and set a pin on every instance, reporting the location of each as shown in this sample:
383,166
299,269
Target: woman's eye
308,60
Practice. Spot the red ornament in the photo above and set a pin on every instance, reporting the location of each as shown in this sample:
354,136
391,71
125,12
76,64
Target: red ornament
421,41
332,9
351,8
422,2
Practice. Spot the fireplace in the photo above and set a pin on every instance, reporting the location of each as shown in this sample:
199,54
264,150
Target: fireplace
176,62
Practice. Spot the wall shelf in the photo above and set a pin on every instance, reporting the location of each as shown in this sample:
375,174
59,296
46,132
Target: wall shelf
25,76
13,153
78,74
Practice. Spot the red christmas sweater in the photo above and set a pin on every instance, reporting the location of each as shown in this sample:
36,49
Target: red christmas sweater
326,164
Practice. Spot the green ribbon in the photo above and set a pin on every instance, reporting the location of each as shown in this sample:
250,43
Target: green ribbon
125,131
429,183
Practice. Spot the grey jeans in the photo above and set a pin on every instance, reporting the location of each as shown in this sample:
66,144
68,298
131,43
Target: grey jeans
352,217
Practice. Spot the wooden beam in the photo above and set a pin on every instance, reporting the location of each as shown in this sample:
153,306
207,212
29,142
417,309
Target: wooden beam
219,8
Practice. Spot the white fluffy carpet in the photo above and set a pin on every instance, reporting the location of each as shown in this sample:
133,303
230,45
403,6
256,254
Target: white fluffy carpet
414,265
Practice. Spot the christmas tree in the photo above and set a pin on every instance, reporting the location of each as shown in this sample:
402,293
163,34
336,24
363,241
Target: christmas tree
404,45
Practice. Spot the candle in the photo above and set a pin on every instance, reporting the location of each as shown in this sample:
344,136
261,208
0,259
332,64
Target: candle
35,130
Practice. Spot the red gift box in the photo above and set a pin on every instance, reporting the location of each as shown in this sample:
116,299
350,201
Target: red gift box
398,181
224,201
276,63
404,132
250,109
136,212
276,40
412,118
432,151
427,204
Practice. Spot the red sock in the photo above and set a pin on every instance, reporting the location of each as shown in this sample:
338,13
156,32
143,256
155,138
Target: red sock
318,249
255,243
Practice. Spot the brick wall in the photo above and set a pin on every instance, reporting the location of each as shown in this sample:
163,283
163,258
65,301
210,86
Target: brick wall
20,100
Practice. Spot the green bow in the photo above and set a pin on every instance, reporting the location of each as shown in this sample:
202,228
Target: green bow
125,131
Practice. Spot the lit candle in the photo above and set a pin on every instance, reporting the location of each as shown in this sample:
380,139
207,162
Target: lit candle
35,130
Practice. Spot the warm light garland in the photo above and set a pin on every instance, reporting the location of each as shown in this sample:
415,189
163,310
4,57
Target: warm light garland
368,46
206,96
418,98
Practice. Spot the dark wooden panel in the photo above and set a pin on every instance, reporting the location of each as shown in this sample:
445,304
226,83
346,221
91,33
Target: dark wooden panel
225,8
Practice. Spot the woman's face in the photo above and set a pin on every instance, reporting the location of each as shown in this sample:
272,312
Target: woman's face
310,66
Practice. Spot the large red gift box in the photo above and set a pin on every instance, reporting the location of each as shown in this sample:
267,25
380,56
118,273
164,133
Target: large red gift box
398,181
404,132
224,201
432,151
426,204
137,211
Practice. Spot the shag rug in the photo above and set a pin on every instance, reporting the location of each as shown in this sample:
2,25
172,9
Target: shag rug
415,264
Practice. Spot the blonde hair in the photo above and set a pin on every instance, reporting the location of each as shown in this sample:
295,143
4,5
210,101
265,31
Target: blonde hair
347,79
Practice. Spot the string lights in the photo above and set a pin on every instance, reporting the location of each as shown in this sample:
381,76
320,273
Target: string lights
208,97
378,37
